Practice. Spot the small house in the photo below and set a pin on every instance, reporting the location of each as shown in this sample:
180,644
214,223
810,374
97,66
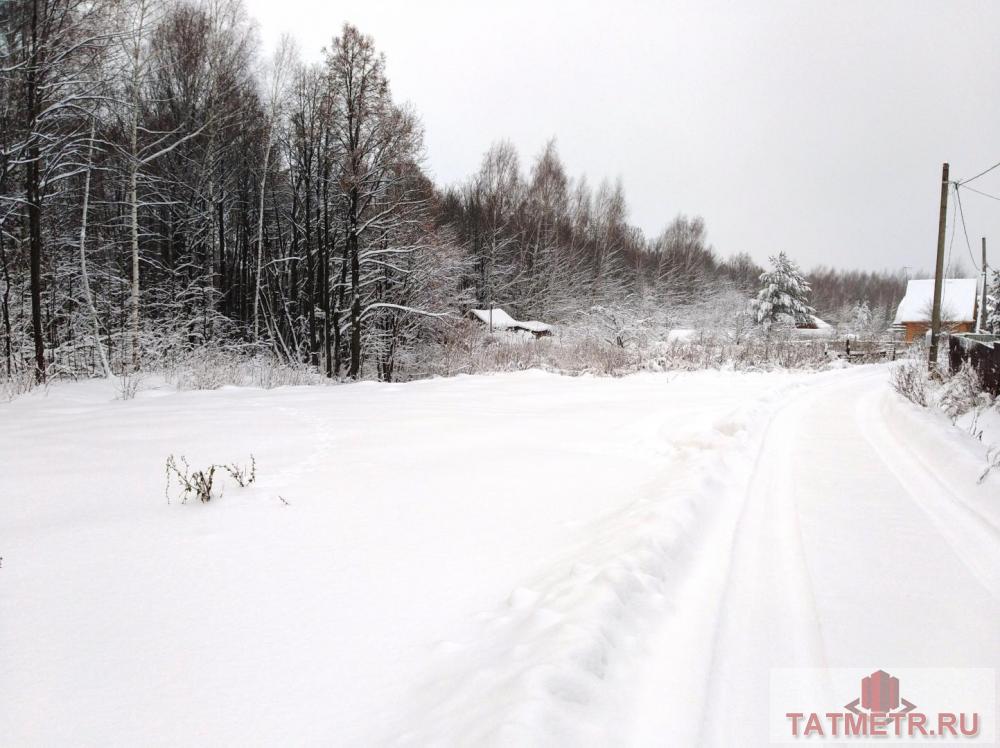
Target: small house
959,306
812,322
497,320
812,327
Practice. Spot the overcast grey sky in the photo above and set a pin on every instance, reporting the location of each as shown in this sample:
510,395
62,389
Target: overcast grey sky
814,128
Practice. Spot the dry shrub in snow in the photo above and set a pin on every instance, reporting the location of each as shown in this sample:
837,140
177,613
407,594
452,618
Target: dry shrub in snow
966,401
244,475
751,355
961,396
17,382
129,383
205,369
200,484
909,379
470,350
962,393
191,483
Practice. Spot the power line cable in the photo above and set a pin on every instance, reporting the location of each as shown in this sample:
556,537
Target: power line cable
985,171
968,244
951,242
980,192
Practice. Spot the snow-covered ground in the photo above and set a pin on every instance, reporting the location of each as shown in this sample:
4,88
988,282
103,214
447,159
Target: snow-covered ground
515,559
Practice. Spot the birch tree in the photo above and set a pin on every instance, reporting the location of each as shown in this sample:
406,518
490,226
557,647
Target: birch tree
134,37
284,59
88,296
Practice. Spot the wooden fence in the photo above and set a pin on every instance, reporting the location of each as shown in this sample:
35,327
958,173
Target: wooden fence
865,351
983,354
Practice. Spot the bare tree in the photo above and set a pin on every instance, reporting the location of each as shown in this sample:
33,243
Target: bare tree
48,47
379,142
284,59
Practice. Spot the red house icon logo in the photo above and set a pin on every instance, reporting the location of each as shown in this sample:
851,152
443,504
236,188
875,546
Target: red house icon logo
880,695
880,692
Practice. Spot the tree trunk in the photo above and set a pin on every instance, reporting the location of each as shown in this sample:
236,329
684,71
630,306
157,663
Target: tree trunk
133,179
338,307
134,221
311,272
33,194
260,240
327,245
5,309
353,253
35,247
85,278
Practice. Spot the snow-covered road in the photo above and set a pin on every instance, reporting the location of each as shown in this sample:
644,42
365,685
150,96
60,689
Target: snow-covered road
519,559
861,540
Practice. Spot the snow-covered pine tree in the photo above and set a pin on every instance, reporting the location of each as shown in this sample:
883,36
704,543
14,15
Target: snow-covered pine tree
784,293
993,304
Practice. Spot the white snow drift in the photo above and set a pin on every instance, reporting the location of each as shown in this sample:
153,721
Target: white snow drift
516,559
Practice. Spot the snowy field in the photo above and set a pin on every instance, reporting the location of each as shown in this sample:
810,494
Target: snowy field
516,559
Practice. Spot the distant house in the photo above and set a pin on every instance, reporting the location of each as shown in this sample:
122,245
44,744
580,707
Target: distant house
959,306
812,328
812,322
497,320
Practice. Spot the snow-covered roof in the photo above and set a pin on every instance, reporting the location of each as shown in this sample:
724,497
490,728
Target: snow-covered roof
812,322
958,300
503,321
533,325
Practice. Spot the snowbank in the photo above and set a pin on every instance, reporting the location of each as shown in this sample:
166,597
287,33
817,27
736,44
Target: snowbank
411,510
519,559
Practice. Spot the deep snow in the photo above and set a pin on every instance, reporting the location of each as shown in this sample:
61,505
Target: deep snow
510,559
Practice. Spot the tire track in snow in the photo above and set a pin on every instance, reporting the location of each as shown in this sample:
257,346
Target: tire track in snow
769,614
766,613
543,668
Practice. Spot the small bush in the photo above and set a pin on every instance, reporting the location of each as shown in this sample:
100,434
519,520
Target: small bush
129,382
192,483
245,474
962,392
467,349
18,382
200,484
210,370
909,379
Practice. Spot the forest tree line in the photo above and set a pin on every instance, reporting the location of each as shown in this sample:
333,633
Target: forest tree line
164,188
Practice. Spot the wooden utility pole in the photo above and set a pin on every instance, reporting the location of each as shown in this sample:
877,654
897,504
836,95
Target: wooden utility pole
982,302
938,273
